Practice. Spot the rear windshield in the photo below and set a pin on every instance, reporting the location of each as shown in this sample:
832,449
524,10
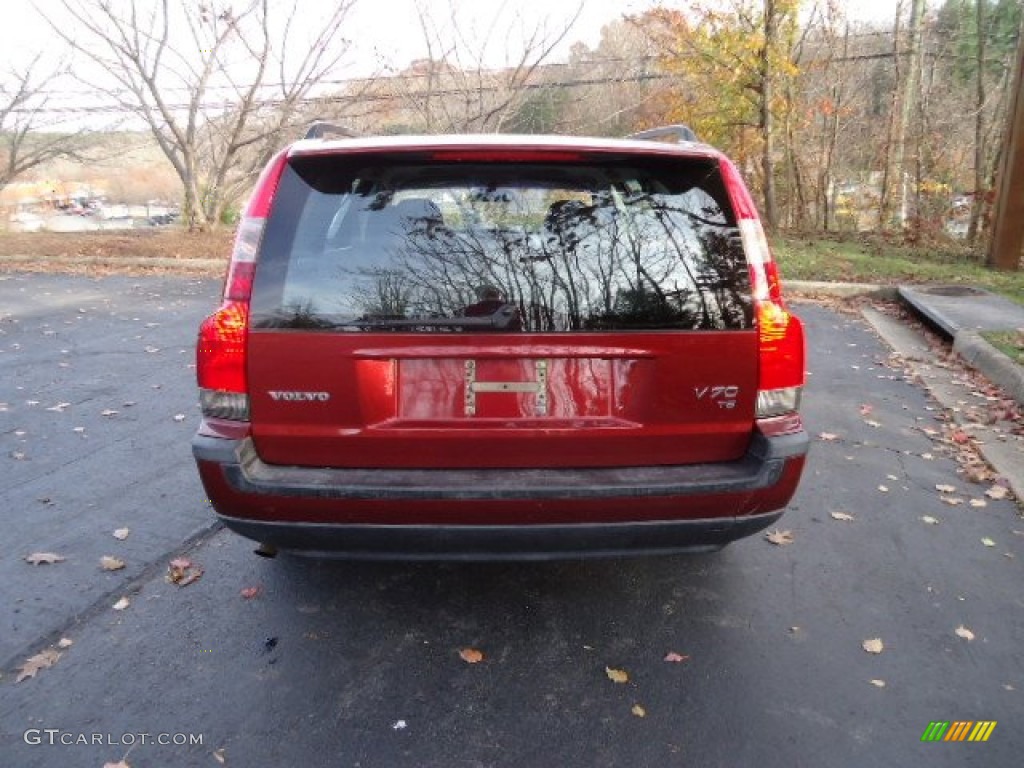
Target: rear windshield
617,245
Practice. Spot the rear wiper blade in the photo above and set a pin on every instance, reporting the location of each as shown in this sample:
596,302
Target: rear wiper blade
501,318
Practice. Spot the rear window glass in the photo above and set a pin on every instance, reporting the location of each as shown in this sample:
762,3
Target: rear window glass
616,245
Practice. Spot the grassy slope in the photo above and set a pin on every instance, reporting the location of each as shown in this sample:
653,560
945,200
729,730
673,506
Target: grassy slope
1010,343
873,260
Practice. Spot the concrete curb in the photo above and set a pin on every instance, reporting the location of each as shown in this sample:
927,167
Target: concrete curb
113,261
996,366
1004,452
839,290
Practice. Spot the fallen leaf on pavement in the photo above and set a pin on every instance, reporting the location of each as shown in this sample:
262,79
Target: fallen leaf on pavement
108,563
953,501
121,534
108,412
843,516
65,642
964,632
872,423
929,519
639,711
978,503
121,604
945,488
218,755
997,492
828,437
118,764
878,683
780,538
988,542
883,489
616,675
866,409
33,664
873,646
979,474
250,592
182,571
471,655
179,417
676,657
38,558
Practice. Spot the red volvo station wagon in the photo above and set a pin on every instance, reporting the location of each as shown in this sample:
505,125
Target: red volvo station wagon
500,347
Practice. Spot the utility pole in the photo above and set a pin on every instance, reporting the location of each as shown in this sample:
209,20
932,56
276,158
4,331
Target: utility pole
1008,226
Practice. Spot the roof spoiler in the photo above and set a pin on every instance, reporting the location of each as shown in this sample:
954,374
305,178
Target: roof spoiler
671,133
322,129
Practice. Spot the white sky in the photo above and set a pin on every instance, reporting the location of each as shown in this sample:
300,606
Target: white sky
390,26
386,32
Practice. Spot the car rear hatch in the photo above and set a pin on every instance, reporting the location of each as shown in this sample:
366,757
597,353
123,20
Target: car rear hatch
505,308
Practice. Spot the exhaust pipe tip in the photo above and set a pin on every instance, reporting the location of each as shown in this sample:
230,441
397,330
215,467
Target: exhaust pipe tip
266,550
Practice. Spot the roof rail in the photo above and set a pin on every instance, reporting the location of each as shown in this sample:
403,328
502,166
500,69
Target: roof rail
321,129
671,132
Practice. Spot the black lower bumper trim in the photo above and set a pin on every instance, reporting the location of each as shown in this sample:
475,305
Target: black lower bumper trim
500,542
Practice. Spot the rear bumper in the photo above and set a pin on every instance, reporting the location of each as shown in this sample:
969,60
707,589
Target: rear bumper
501,542
499,513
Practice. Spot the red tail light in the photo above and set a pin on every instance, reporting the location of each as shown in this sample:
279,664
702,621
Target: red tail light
780,334
223,336
220,358
781,340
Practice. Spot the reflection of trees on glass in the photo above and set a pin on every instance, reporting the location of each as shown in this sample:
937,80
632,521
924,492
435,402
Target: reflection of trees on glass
622,257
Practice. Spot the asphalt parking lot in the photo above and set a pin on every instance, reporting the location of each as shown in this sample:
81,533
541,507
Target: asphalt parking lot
295,662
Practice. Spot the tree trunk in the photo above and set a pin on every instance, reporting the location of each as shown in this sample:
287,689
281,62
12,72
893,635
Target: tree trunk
193,209
767,119
911,96
831,138
979,125
1004,250
885,192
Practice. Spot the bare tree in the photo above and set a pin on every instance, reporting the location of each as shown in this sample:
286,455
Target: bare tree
24,141
894,131
620,90
455,89
211,80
